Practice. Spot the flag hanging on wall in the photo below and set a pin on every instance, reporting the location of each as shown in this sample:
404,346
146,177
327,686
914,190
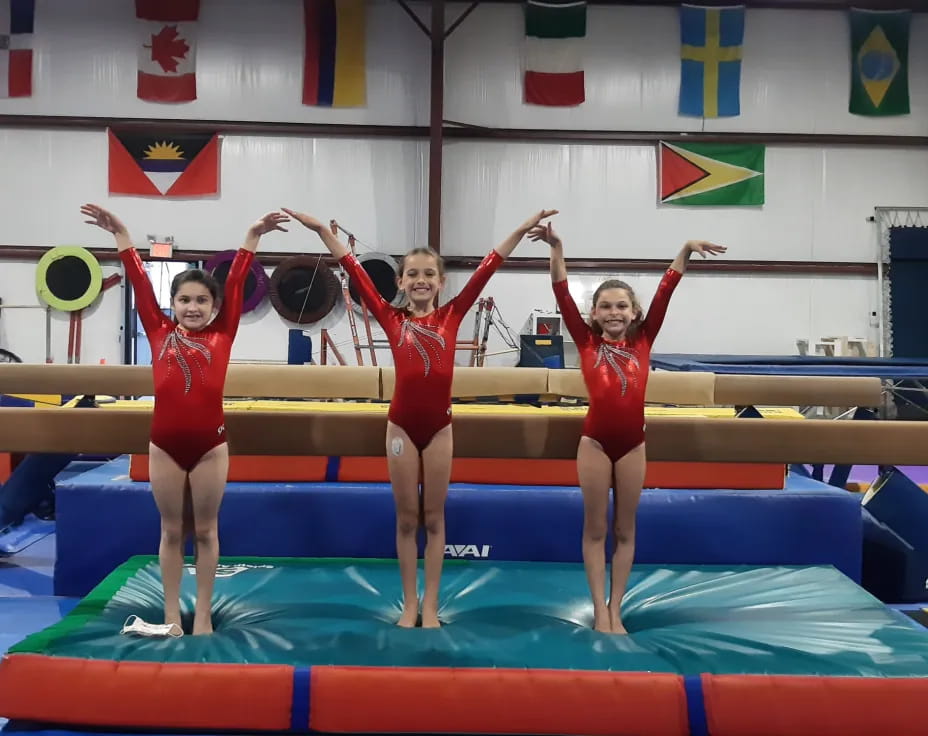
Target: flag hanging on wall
334,65
710,173
164,165
16,21
710,60
167,50
554,42
879,62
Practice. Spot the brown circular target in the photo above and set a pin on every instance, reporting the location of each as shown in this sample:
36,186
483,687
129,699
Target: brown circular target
303,289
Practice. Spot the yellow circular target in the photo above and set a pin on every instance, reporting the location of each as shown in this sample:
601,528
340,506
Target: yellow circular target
68,278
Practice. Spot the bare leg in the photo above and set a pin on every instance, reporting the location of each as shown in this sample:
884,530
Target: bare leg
189,526
436,475
594,471
168,484
403,463
629,477
207,485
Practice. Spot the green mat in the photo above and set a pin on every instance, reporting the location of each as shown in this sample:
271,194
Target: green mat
682,619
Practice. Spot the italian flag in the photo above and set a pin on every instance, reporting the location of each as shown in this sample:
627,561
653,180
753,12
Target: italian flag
554,33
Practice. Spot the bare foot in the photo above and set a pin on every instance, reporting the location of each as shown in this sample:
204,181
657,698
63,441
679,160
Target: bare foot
171,618
616,623
601,620
430,619
202,625
410,614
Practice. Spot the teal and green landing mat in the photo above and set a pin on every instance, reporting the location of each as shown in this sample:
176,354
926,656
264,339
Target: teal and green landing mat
304,644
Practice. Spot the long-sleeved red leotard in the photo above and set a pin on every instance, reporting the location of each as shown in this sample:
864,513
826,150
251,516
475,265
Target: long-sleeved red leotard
616,372
423,350
189,367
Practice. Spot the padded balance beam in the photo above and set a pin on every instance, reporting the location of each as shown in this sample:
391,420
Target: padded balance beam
360,382
509,435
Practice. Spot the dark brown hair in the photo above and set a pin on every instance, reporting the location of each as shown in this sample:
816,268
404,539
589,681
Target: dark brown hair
617,284
198,276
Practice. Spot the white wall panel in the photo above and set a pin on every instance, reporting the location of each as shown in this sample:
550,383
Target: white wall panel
795,78
249,65
817,200
376,186
709,313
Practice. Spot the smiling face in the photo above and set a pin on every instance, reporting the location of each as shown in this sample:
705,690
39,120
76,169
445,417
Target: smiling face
615,309
193,298
421,279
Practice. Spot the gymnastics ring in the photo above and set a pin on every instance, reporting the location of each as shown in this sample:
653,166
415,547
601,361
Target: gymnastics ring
256,283
289,283
68,278
382,270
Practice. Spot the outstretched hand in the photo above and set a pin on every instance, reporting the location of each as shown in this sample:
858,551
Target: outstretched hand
103,219
305,220
270,222
545,233
704,247
535,219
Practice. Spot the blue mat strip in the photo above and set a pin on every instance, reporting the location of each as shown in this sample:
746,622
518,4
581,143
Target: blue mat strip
696,705
299,708
331,469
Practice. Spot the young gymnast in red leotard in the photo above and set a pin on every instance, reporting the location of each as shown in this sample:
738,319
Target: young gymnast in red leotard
419,442
188,455
615,350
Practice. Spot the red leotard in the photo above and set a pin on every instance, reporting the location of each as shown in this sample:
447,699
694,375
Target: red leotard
423,350
189,367
616,373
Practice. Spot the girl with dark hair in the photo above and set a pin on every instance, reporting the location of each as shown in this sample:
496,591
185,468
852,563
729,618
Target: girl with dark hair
188,456
615,350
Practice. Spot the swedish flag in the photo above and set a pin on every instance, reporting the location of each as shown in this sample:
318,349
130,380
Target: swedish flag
879,62
710,74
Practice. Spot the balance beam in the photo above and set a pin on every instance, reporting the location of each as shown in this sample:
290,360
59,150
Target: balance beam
513,436
362,382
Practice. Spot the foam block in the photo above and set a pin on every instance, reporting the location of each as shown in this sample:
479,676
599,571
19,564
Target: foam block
104,518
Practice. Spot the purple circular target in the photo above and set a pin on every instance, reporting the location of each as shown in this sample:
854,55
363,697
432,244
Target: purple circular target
255,285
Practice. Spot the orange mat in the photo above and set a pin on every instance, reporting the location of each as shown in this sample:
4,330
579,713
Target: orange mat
497,471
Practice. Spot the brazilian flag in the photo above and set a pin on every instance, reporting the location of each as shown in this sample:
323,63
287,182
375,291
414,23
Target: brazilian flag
879,62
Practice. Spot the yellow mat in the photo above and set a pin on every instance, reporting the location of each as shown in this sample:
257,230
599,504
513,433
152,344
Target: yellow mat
381,407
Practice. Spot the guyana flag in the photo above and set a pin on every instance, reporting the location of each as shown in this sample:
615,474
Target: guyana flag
710,173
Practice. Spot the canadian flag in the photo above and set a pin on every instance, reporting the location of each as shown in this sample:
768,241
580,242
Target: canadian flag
167,49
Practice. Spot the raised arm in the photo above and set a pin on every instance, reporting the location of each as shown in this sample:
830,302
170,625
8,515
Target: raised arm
356,272
145,303
573,321
494,259
509,244
694,246
233,297
654,319
329,239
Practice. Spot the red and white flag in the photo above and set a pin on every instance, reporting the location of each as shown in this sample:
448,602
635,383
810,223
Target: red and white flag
167,50
16,21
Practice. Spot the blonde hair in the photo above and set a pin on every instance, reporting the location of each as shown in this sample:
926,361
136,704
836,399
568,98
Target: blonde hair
617,284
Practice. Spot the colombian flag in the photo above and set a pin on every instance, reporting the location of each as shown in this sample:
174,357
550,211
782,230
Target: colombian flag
710,77
334,71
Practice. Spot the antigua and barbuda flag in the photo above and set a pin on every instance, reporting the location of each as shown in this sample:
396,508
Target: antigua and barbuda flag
711,174
164,165
879,62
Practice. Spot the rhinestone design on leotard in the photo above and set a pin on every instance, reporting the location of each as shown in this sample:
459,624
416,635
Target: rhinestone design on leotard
612,355
177,342
415,331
